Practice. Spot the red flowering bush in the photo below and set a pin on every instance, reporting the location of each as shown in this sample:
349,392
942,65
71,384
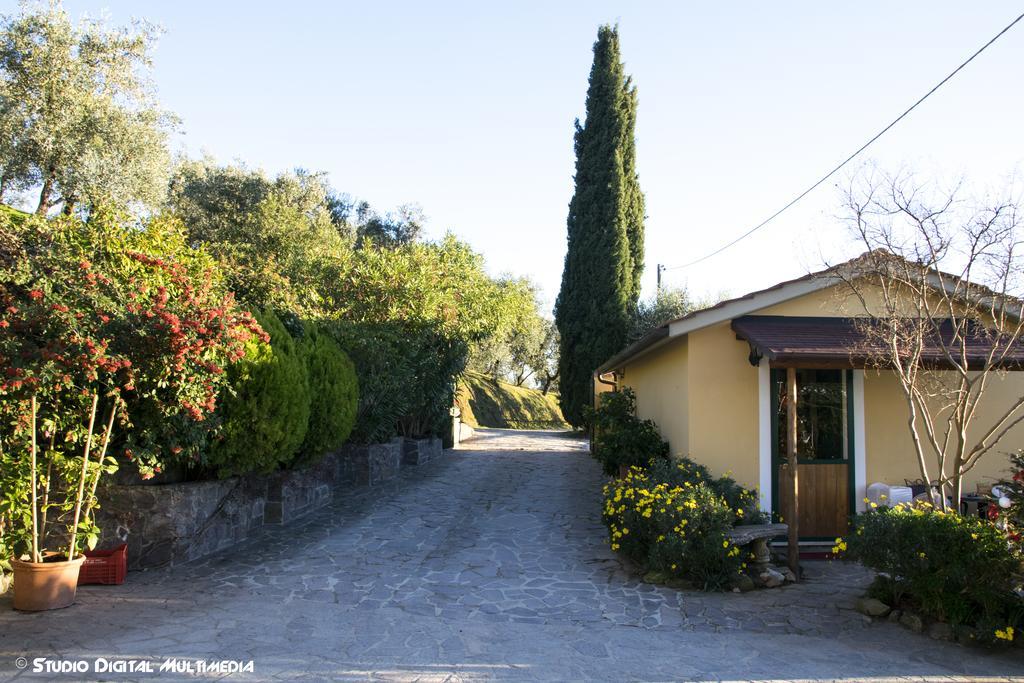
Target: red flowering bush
1007,506
122,312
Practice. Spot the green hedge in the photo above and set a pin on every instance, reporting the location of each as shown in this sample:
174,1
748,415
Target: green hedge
334,390
621,439
265,413
406,377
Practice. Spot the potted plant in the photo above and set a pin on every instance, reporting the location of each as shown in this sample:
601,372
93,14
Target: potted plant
49,499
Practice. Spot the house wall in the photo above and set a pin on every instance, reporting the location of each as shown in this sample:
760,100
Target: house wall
723,404
660,382
703,393
890,451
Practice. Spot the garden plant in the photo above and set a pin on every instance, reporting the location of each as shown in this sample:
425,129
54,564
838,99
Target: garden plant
945,566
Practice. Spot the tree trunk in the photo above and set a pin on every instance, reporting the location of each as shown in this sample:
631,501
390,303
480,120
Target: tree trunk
45,196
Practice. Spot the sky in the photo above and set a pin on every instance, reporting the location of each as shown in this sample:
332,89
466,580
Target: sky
467,109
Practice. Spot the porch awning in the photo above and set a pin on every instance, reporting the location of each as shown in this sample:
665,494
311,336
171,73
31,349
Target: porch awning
825,342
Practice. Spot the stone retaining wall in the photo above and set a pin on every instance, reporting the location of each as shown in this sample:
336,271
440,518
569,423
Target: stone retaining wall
168,524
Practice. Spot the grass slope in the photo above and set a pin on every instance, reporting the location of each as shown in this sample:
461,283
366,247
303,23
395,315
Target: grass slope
487,403
14,214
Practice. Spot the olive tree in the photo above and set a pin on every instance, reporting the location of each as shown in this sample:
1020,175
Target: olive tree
78,119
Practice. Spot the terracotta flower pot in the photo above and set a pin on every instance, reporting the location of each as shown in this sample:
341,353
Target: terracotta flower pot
45,585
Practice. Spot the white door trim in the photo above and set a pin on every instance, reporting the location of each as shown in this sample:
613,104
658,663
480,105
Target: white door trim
764,434
860,462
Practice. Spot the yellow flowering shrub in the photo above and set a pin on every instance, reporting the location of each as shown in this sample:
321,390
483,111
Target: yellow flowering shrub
668,520
944,565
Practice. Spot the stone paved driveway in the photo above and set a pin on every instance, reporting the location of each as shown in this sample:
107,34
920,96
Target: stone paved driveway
487,564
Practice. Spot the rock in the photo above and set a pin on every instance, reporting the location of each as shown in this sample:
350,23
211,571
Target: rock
872,607
655,577
940,631
770,578
894,616
966,635
790,576
736,590
912,621
743,583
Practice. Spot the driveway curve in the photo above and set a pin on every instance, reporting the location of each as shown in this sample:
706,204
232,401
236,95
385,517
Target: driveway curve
489,563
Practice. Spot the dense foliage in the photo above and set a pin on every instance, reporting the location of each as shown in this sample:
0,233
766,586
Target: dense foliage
265,412
604,261
406,377
949,567
334,394
524,344
620,438
276,239
672,520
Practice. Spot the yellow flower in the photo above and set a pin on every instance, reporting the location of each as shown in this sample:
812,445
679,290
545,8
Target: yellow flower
1005,633
974,537
673,566
922,555
725,544
874,505
625,531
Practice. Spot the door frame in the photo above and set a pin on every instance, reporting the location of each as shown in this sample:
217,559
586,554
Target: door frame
854,438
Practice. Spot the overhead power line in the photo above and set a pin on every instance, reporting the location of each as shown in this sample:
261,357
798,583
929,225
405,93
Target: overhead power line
850,158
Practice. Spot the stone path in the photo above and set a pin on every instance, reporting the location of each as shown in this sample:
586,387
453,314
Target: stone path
489,563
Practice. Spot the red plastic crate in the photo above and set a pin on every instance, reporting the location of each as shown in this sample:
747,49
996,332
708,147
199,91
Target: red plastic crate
107,567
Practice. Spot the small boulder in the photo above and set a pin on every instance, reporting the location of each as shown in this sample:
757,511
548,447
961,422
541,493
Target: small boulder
912,621
743,583
940,631
967,635
872,607
680,584
790,576
655,577
894,616
771,578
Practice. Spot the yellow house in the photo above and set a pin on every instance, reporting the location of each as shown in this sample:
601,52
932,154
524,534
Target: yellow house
714,381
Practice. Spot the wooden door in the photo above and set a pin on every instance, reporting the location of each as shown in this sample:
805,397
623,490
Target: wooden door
825,449
824,498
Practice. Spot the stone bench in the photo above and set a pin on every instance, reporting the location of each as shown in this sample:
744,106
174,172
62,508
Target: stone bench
757,535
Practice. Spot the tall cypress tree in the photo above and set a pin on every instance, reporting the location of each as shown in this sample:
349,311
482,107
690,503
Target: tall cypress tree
604,261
